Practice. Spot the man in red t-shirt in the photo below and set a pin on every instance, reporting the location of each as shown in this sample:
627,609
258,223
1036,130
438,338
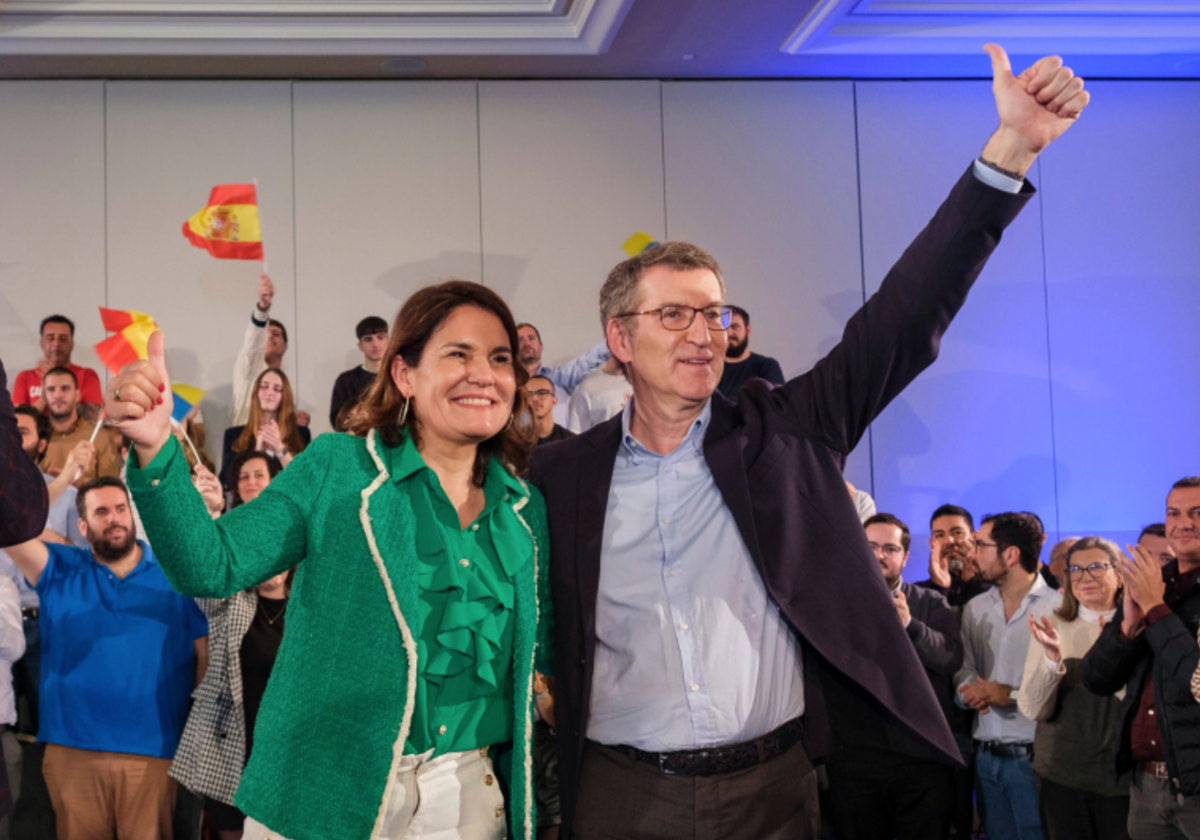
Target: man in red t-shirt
58,342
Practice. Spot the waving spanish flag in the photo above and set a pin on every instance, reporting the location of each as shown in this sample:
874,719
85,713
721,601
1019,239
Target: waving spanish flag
133,330
228,227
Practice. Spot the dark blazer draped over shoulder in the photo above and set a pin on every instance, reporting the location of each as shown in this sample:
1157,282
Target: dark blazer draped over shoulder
776,455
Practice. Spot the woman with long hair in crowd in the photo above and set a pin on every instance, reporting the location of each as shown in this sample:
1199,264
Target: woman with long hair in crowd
1074,741
420,608
244,634
272,426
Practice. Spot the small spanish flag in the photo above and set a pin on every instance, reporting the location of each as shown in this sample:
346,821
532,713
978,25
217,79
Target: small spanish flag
637,243
228,227
133,330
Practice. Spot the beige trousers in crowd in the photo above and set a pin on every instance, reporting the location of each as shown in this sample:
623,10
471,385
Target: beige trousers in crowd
98,793
452,797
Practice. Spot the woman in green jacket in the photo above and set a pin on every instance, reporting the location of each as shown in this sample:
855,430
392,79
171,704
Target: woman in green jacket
420,608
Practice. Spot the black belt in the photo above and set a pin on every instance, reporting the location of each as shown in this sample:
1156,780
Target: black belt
1006,750
716,761
29,612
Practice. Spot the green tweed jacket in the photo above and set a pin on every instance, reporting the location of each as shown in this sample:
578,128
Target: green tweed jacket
339,703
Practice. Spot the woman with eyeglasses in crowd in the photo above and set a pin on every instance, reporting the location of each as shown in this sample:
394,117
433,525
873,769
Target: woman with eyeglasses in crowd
272,426
1075,738
403,694
245,632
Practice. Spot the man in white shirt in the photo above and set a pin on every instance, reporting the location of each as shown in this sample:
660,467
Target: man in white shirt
995,634
263,346
601,396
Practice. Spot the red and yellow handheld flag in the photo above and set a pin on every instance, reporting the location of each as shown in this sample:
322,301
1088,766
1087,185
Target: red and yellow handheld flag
133,330
228,227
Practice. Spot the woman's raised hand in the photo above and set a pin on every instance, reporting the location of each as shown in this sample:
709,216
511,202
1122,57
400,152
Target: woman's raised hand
139,401
1045,634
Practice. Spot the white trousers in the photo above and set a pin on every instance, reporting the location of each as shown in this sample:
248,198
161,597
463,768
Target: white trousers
455,796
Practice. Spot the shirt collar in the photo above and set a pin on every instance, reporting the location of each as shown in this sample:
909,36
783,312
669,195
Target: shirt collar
694,437
404,461
148,558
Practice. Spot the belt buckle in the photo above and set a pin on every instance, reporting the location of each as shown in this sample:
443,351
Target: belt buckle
662,767
1160,769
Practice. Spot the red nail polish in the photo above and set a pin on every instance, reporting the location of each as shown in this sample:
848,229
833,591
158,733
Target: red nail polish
159,401
161,388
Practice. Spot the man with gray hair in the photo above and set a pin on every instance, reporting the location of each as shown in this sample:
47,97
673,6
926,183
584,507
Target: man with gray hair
714,590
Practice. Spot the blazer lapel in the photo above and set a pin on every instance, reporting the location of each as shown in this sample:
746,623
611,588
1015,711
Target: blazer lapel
723,452
594,477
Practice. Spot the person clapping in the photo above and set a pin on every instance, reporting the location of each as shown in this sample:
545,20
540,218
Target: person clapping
272,427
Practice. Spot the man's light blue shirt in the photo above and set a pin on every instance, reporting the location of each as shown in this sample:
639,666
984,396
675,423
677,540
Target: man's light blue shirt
63,520
691,650
569,375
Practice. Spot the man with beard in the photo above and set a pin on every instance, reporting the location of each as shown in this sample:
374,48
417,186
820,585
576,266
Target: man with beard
995,635
62,526
122,653
952,571
1149,650
60,389
58,343
566,378
740,364
875,793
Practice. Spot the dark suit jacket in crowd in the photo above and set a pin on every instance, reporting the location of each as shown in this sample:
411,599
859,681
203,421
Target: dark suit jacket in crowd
936,634
24,501
776,455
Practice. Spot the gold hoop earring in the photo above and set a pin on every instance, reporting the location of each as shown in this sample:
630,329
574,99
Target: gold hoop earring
508,425
404,412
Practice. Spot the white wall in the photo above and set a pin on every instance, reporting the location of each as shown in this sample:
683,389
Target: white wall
1064,388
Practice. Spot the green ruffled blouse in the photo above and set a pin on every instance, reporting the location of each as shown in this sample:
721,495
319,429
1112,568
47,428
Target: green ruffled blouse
465,635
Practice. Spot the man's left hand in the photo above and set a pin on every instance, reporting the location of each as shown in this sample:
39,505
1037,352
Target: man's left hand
1035,108
303,418
1143,578
902,607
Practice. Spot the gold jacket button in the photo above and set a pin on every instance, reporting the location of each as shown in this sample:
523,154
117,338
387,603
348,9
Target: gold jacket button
489,780
441,730
499,811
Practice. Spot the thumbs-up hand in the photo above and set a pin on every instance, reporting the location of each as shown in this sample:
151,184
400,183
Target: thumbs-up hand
1035,108
139,401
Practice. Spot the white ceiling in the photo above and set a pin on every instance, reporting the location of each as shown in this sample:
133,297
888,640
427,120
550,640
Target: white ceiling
589,38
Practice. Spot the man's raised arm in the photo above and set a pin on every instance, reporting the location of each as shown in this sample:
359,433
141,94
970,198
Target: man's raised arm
897,333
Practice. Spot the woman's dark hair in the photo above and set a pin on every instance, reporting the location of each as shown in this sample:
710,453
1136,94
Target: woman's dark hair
235,470
416,322
1070,604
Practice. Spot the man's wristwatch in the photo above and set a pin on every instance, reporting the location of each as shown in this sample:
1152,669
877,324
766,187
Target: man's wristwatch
1001,170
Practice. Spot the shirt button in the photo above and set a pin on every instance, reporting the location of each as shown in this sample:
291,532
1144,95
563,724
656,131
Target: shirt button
441,730
671,572
154,483
464,562
489,780
666,521
1151,711
499,812
475,527
695,688
683,625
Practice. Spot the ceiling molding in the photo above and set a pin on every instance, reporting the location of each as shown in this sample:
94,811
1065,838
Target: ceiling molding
310,27
942,27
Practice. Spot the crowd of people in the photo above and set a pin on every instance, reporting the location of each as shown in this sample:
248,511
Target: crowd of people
630,596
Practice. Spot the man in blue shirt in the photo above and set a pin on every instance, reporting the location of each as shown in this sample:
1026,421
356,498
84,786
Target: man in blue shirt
714,591
121,652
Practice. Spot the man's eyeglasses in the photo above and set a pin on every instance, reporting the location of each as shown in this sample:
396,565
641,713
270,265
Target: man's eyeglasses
1094,570
681,317
891,549
541,392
